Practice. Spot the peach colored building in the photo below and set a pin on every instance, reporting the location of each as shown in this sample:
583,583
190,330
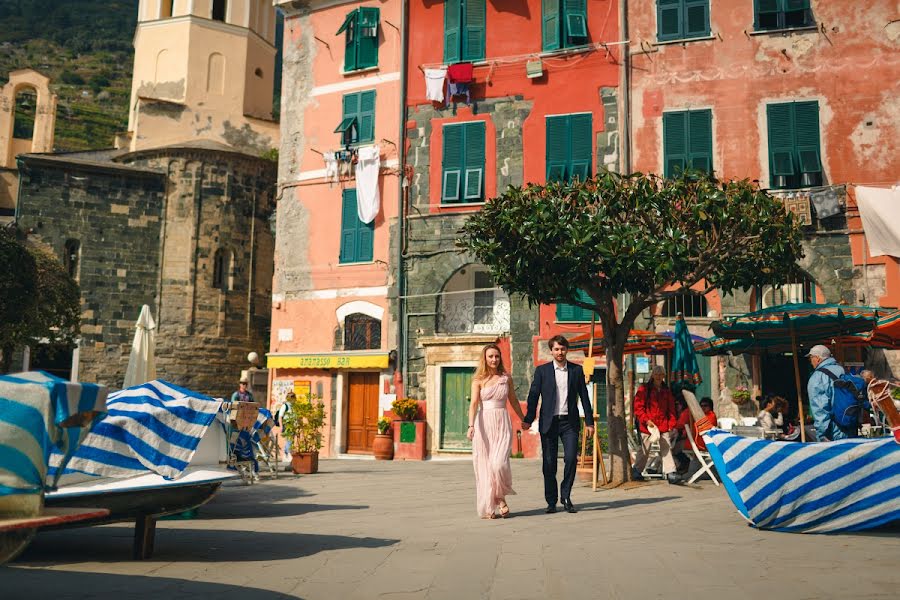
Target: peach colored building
332,330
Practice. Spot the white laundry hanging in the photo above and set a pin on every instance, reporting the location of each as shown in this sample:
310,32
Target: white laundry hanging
434,84
368,200
331,167
878,208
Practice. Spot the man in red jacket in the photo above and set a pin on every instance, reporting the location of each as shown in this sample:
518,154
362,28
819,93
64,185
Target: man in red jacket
654,407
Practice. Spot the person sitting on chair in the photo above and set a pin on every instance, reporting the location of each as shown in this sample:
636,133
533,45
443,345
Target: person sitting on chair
242,394
654,407
683,427
709,416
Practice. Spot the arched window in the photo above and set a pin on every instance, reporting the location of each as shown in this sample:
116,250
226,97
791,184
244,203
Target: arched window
800,289
72,257
362,332
471,303
223,270
219,9
26,108
689,305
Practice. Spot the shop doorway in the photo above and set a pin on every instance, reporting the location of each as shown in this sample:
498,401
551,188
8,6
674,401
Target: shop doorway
362,412
456,392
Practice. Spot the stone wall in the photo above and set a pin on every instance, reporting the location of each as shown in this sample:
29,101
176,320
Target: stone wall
114,212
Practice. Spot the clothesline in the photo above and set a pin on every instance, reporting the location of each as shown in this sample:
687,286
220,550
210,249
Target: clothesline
516,58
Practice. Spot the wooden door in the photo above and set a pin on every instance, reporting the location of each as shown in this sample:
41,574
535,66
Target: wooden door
456,392
362,412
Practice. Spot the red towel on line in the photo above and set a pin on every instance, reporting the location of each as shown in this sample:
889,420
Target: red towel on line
461,73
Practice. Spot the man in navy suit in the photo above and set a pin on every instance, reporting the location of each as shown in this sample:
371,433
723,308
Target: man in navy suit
559,384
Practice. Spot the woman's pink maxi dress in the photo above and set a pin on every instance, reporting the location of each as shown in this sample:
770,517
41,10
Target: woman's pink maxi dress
491,447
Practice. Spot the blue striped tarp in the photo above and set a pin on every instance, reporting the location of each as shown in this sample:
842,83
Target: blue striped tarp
810,488
39,413
155,426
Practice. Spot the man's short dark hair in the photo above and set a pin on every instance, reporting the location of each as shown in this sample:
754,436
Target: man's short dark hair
706,400
558,339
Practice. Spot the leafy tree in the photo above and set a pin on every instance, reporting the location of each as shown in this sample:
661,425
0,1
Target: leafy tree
71,78
637,237
39,300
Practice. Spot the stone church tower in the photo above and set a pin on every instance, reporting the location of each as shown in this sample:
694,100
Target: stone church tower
203,69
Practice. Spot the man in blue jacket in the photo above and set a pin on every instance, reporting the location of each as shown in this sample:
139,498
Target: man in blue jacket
820,390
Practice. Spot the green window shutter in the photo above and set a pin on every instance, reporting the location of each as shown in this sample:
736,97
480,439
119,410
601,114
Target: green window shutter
766,15
557,153
350,134
696,18
580,146
367,38
365,241
806,130
668,19
452,27
473,146
700,140
349,226
571,313
474,22
575,21
781,142
674,143
452,164
366,117
565,312
351,40
581,313
550,25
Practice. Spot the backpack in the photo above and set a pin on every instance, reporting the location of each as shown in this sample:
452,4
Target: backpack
847,399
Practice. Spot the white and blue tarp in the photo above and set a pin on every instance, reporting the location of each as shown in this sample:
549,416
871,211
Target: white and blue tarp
822,487
155,427
39,414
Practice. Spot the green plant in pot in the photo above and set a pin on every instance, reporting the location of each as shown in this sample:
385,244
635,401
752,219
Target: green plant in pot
406,409
302,425
383,446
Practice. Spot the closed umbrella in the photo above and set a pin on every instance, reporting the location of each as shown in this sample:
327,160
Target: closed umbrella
141,362
685,372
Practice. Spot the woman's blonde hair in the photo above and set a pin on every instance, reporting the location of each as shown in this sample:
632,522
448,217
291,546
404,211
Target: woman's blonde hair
482,371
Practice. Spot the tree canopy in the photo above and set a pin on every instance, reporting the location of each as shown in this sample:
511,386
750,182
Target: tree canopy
641,235
38,301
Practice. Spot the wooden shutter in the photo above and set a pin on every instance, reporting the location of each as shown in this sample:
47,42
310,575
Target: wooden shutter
452,43
565,312
580,146
349,221
557,154
550,24
367,37
366,116
365,240
700,140
575,25
351,110
474,21
806,132
452,163
473,146
781,140
766,16
674,143
668,19
696,18
351,35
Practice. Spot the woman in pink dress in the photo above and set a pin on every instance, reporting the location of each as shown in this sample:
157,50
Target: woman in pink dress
491,433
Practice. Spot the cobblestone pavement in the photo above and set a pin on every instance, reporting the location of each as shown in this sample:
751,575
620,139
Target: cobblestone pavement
392,530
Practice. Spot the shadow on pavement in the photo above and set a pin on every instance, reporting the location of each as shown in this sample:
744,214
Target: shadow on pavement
233,510
592,506
61,585
113,544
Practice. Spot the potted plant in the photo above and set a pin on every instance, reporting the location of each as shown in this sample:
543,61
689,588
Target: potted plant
302,426
409,434
383,446
740,395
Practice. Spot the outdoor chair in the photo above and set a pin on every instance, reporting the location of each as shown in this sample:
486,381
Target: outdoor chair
726,423
746,431
749,421
654,457
703,459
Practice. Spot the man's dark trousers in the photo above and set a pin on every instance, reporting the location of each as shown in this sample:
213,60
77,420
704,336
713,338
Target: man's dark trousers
559,428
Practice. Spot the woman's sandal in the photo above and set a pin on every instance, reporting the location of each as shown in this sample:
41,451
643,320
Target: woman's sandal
504,510
490,516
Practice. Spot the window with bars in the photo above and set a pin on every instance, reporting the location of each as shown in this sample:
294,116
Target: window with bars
464,29
782,14
362,332
360,29
462,163
794,151
357,125
687,141
689,305
563,24
800,289
681,19
357,238
569,313
569,147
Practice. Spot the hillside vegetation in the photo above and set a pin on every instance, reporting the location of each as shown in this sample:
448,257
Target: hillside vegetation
85,47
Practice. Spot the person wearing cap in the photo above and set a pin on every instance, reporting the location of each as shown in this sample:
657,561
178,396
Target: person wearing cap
819,388
242,394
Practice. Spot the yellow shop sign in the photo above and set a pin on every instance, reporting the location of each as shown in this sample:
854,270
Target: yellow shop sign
327,361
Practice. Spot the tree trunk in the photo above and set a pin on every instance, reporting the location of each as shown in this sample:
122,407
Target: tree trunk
620,457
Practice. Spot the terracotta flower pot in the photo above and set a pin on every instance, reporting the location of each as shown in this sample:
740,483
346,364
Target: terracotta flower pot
305,463
383,446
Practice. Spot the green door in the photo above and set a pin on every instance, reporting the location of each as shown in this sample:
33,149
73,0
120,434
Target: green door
456,391
704,363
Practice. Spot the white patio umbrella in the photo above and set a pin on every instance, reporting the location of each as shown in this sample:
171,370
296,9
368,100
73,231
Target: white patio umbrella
141,363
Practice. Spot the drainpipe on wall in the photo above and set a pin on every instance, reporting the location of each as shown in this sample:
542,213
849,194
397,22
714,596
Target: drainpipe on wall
626,88
401,216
